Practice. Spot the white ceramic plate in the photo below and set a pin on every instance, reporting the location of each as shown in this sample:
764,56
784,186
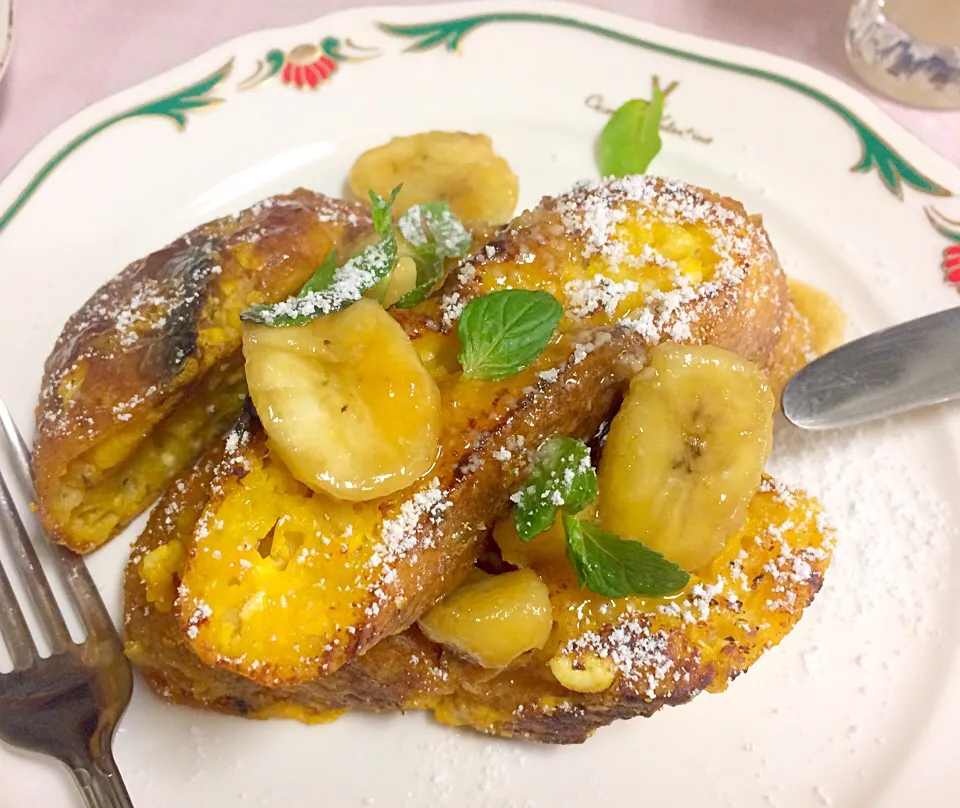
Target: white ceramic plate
859,706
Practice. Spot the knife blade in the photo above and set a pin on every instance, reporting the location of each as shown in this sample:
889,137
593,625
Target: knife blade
911,365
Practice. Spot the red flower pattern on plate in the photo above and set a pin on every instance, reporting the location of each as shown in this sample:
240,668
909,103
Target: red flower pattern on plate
307,66
951,263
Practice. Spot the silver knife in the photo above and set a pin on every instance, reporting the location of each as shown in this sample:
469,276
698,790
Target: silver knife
898,369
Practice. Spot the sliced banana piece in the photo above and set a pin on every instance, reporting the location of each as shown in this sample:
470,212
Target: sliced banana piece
543,549
345,400
685,453
492,619
402,280
455,167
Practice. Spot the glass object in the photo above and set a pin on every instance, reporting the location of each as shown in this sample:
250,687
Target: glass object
908,49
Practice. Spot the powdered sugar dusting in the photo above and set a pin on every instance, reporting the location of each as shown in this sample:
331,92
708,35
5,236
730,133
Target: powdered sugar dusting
398,535
593,212
593,209
600,293
452,306
669,314
893,526
639,654
399,538
360,273
637,639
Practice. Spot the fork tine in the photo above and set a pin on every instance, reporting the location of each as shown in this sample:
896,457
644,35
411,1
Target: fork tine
19,446
13,627
87,598
34,578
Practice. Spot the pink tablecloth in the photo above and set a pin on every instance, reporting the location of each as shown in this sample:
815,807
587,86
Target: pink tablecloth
70,53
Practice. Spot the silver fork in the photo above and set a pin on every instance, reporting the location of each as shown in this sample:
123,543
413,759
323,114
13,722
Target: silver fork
66,705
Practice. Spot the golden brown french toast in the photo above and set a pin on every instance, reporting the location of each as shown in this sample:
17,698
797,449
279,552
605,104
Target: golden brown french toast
149,372
636,655
667,260
633,261
611,659
392,673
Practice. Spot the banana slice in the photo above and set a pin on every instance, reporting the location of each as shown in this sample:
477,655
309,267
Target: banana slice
402,280
685,453
492,619
345,400
455,167
549,547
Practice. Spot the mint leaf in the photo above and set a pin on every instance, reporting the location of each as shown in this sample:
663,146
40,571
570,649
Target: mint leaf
330,289
362,272
439,225
631,138
381,210
503,332
615,567
433,234
562,477
323,277
429,271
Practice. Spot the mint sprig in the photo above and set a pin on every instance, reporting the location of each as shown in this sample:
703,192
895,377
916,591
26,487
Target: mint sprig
322,278
562,477
435,222
433,234
631,138
503,332
330,289
615,567
381,212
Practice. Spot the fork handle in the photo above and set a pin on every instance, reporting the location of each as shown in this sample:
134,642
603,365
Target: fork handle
100,784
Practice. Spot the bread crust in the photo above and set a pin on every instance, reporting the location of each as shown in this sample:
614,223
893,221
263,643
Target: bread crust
658,652
164,332
562,243
397,670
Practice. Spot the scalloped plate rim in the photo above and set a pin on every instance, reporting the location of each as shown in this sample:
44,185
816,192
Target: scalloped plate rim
921,765
208,60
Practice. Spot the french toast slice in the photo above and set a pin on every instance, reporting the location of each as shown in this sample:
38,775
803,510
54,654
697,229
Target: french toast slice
396,671
632,261
636,654
614,659
149,371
